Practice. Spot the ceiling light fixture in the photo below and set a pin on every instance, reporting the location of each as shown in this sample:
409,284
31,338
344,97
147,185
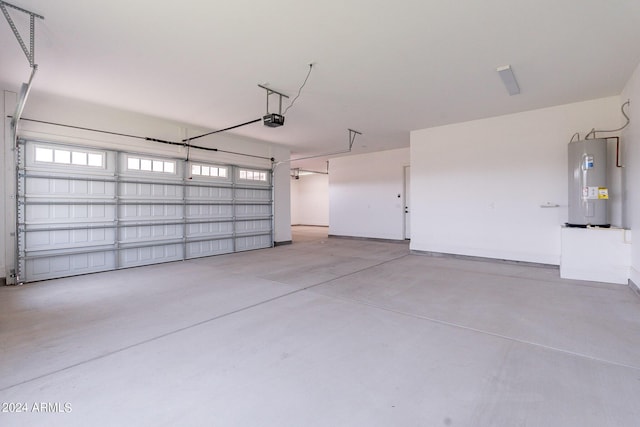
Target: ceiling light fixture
509,79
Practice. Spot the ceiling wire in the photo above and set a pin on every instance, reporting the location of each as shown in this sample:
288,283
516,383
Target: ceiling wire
299,90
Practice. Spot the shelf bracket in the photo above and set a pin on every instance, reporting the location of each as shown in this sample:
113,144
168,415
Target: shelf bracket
352,137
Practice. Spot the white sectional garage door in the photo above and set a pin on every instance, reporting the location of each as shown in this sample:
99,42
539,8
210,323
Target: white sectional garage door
83,210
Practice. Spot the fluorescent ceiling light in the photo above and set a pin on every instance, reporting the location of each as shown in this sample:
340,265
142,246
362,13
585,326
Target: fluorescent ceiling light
509,80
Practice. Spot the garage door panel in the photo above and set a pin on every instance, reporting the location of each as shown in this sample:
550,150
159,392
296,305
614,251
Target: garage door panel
209,193
76,188
256,226
148,212
150,191
65,239
134,257
150,233
92,261
68,265
209,248
68,214
209,229
38,213
209,211
254,194
253,210
253,242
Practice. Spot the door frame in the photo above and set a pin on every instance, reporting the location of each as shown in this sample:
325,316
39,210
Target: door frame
406,202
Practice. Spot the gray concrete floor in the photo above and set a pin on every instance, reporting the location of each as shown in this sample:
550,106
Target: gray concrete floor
324,332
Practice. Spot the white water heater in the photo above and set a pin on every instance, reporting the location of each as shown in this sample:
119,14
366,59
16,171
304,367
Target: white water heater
588,191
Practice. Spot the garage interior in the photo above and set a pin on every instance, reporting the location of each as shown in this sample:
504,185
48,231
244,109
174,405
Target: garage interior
356,214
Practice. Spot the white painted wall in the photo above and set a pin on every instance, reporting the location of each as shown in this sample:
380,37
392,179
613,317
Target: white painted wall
631,161
310,200
477,186
281,198
45,107
363,195
8,103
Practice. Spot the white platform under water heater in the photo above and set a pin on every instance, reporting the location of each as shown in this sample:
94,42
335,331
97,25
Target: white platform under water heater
588,192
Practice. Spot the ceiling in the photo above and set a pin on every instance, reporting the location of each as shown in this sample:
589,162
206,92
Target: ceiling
383,68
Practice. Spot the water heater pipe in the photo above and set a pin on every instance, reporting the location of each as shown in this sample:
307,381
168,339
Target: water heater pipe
594,131
617,138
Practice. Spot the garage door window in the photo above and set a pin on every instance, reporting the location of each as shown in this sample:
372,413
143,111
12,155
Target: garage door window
69,157
251,175
150,165
209,170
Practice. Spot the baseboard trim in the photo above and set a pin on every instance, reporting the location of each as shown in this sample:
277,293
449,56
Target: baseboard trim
371,239
283,243
634,287
485,259
309,225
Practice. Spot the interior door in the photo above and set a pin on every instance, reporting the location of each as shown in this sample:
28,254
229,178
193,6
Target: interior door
407,202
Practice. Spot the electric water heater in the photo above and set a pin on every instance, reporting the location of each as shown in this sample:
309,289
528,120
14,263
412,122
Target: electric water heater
588,192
